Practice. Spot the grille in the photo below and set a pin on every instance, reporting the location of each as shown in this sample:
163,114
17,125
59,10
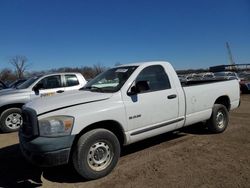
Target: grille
29,127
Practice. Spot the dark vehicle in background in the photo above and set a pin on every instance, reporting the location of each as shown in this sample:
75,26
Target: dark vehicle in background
2,85
13,84
245,83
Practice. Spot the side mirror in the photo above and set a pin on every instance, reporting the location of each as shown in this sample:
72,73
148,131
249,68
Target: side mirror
37,87
140,86
132,91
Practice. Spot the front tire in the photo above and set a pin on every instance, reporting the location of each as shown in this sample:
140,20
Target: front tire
96,154
219,119
11,120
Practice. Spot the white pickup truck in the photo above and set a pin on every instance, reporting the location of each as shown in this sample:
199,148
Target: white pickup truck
12,99
120,106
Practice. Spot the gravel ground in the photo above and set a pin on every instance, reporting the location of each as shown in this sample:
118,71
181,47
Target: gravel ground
190,157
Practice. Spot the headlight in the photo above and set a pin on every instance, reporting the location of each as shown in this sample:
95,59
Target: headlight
56,126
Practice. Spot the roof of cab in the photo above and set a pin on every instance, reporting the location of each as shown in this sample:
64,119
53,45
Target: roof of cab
144,63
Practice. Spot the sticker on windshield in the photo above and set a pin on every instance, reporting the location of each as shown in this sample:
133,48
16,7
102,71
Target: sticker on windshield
121,70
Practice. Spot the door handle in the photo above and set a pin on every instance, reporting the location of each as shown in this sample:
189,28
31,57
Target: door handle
60,91
172,96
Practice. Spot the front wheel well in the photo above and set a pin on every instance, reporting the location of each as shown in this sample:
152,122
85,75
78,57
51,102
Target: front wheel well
5,107
110,125
224,100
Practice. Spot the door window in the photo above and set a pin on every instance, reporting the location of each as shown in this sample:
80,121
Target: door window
156,77
51,82
71,80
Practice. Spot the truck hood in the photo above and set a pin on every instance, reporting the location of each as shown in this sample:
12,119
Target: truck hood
65,100
12,91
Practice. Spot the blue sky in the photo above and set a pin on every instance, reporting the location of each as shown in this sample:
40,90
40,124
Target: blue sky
187,33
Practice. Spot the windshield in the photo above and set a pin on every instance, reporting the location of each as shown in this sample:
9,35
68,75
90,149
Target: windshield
2,85
28,82
111,80
16,83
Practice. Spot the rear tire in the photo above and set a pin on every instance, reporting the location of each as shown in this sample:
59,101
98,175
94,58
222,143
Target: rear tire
11,120
219,119
96,154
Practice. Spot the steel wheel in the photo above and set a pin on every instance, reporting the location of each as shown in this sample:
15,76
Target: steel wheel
11,120
99,156
220,119
14,121
96,153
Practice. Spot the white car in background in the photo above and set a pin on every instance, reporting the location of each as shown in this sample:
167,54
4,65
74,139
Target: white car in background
12,100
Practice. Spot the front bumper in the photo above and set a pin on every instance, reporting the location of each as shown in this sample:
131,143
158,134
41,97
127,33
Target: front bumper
45,151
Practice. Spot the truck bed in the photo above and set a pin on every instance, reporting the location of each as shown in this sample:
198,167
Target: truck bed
201,95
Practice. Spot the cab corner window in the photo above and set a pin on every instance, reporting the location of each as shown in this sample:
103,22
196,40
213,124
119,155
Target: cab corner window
71,80
156,77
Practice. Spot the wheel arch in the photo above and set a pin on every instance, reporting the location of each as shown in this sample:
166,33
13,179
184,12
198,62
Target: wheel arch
111,125
15,105
224,100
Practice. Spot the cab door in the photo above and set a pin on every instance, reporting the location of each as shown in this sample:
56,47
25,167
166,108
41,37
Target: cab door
155,107
48,86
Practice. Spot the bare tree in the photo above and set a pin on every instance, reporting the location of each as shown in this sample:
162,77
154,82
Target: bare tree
117,64
20,64
88,72
7,75
98,68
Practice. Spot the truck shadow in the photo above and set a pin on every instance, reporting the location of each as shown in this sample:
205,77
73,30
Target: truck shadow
66,173
196,129
15,171
150,142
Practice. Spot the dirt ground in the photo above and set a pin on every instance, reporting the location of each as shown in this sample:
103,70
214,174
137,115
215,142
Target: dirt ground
190,157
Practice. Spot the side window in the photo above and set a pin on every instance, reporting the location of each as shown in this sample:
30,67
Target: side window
71,80
51,82
156,77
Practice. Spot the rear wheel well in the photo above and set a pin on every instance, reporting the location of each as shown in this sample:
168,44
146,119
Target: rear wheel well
224,100
17,105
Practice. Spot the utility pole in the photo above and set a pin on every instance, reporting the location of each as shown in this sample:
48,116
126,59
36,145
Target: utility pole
231,61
